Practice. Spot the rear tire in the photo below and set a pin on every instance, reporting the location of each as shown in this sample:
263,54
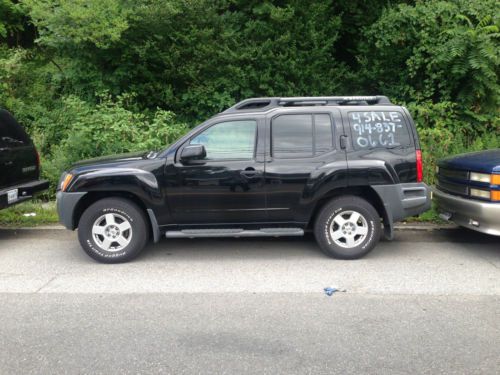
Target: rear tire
113,230
347,227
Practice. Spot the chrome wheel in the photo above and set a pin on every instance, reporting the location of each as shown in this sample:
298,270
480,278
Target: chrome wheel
348,229
112,232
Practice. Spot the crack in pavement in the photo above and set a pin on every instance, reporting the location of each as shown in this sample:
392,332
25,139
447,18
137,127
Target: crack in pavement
47,283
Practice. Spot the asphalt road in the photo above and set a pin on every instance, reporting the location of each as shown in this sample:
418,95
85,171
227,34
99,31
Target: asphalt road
427,303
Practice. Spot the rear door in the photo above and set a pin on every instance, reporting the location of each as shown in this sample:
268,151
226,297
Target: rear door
18,159
304,154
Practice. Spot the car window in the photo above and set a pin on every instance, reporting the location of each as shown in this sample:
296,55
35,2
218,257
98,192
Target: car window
11,133
323,135
301,135
228,140
378,129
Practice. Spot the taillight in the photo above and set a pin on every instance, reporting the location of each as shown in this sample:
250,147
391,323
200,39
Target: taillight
420,166
37,158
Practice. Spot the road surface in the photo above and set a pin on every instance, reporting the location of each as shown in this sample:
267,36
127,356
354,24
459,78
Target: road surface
427,302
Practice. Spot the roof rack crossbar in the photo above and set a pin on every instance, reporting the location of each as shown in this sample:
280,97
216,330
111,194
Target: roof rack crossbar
378,99
264,104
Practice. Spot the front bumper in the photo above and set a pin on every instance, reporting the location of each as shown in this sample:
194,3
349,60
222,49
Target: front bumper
477,215
66,205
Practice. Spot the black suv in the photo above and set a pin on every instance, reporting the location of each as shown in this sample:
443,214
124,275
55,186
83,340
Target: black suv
338,166
19,163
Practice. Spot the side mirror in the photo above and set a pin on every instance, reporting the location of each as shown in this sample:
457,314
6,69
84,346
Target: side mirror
193,152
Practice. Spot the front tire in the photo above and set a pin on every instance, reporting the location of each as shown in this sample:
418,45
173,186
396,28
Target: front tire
113,230
347,227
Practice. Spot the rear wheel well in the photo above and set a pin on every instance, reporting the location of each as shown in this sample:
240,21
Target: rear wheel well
94,196
365,192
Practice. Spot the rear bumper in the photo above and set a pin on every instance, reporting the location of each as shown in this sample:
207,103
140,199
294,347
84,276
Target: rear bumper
468,212
402,201
66,205
24,192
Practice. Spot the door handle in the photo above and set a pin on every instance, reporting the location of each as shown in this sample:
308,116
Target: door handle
343,142
250,172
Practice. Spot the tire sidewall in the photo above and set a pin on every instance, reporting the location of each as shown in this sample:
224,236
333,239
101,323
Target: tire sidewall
102,208
326,219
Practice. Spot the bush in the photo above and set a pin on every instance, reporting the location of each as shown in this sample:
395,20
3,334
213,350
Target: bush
443,132
110,127
197,57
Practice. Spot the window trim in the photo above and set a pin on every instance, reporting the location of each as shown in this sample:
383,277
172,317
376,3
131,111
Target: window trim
312,114
203,129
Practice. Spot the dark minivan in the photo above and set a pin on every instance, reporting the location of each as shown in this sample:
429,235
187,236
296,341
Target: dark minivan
19,163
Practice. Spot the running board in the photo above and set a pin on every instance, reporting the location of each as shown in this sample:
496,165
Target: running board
263,232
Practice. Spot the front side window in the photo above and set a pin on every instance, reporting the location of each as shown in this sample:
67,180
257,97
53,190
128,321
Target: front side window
228,140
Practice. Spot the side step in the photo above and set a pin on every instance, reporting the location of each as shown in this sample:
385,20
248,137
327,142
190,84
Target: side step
263,232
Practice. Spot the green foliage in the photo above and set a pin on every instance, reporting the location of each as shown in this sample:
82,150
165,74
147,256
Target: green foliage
110,127
443,132
37,213
11,18
72,23
194,57
92,77
436,50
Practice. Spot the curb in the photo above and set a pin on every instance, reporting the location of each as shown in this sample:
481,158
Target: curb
424,226
38,227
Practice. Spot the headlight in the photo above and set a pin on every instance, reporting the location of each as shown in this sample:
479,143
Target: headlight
480,177
437,169
65,180
480,193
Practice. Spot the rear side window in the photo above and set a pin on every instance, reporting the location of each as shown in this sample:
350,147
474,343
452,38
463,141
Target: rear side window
378,129
301,135
11,133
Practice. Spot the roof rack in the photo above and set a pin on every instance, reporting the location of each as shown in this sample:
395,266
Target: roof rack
264,104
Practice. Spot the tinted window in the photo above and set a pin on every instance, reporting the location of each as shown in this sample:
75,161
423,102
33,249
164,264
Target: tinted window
11,133
323,133
228,140
293,135
378,129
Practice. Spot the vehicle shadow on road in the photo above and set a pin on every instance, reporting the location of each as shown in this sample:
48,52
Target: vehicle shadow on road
235,248
306,247
405,242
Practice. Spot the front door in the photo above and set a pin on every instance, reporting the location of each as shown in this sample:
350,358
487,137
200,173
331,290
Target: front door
227,186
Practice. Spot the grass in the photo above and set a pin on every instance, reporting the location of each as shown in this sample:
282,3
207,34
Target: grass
21,215
431,216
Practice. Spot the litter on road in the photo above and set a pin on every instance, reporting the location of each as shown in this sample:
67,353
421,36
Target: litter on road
329,291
